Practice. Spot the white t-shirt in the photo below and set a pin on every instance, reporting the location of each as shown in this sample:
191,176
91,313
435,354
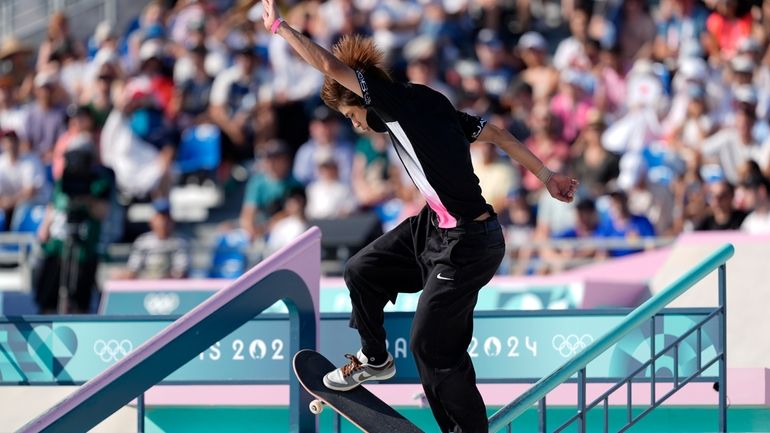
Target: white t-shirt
757,223
726,146
329,199
26,172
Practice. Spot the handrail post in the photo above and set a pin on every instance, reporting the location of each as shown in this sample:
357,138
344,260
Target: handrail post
541,408
723,343
140,413
653,333
582,400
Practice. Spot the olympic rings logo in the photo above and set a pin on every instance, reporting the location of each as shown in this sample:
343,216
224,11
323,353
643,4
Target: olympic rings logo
112,350
570,345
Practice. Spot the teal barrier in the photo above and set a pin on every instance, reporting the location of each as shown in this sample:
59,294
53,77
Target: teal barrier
643,313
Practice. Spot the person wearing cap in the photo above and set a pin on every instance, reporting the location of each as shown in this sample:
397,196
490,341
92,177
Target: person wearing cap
496,73
234,94
325,142
22,178
450,250
45,117
538,73
16,65
267,189
159,253
71,230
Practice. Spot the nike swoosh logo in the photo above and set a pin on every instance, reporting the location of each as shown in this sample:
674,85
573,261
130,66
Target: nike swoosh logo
441,277
360,377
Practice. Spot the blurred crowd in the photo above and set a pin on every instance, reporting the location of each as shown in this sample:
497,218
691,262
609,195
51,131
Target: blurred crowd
660,109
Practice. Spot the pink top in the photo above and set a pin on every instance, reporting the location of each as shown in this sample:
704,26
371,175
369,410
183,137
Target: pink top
573,114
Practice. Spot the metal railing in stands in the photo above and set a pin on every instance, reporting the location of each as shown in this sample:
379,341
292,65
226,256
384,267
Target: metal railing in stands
647,312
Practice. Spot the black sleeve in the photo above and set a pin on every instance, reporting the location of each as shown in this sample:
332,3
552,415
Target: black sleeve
471,125
381,94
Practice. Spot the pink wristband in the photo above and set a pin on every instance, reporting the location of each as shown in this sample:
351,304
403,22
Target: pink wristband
276,24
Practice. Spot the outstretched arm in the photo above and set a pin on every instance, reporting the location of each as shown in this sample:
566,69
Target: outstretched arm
559,186
311,52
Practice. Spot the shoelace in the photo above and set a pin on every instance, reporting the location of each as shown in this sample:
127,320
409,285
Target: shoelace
351,366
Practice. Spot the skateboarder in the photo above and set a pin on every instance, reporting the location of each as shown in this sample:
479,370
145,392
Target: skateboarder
449,251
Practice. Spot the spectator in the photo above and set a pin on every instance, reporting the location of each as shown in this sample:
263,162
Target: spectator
142,167
159,253
570,54
98,97
680,25
757,222
267,189
591,163
234,95
647,198
519,100
191,97
624,224
80,121
491,54
611,89
22,179
12,114
519,222
572,103
690,207
557,259
728,24
635,31
327,196
546,143
16,67
732,146
538,74
496,177
58,39
697,125
723,216
325,142
71,230
420,54
45,118
373,176
289,223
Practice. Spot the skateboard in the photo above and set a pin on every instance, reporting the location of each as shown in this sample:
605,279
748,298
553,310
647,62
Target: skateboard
358,405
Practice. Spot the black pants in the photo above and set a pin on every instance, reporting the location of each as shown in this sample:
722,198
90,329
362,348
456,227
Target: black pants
450,266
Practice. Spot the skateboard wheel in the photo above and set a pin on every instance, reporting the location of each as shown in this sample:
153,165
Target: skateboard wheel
316,407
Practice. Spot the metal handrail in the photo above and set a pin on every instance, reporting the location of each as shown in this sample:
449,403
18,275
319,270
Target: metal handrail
644,312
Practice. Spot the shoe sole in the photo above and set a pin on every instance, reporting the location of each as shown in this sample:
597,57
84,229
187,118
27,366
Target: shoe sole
336,387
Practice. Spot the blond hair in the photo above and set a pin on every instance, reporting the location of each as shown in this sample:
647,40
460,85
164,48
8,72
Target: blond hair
360,54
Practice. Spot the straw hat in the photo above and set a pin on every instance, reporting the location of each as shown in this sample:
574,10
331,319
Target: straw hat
12,45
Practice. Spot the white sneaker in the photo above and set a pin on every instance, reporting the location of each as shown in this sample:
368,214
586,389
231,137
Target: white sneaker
357,371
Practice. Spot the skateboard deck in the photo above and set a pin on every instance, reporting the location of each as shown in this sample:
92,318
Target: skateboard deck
358,405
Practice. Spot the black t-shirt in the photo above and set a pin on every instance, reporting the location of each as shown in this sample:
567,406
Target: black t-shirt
734,223
433,141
